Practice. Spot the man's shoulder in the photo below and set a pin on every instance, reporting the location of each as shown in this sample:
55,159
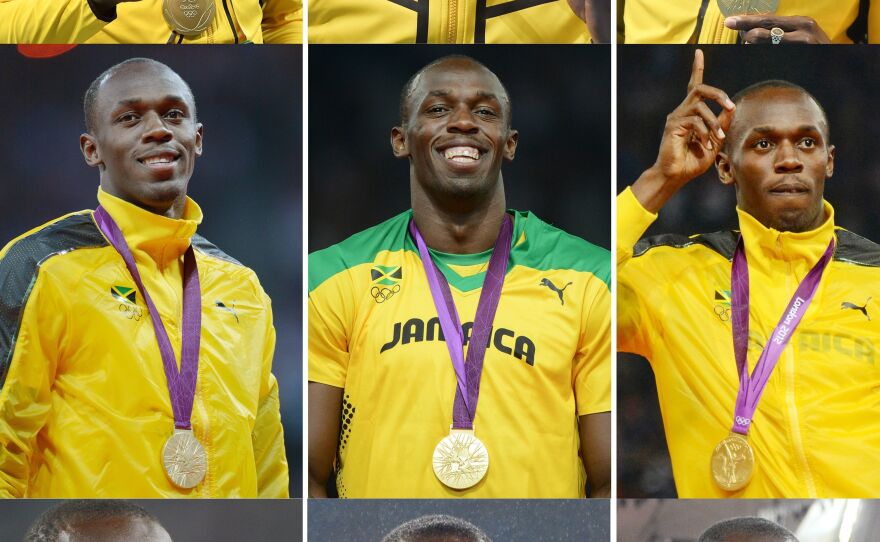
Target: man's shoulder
358,249
720,242
208,248
854,249
545,247
56,237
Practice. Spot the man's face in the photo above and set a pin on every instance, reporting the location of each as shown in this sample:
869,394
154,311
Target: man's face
778,157
457,133
145,138
116,529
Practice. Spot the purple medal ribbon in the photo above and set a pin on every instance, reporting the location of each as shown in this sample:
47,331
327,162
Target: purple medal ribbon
181,384
751,388
467,372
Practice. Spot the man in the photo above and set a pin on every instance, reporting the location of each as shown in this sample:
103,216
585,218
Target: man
469,21
437,528
747,529
704,21
386,368
93,520
135,356
761,340
150,21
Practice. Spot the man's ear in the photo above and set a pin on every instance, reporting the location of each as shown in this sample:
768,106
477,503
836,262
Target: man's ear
510,145
829,166
398,142
724,168
200,132
89,148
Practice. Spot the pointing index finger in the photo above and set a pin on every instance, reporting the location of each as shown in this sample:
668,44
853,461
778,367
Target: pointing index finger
697,70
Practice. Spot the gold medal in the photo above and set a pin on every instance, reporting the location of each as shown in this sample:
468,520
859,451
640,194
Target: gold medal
460,459
188,17
733,463
747,7
184,459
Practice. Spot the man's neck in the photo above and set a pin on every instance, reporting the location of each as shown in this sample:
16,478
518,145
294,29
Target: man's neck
464,228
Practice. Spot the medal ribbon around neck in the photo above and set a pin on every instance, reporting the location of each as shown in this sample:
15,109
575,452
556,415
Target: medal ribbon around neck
184,458
467,372
751,387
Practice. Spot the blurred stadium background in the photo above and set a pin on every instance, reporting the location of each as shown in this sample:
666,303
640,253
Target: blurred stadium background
831,520
651,82
561,107
248,182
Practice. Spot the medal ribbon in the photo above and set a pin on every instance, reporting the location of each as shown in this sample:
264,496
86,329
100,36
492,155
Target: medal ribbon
181,384
467,372
751,388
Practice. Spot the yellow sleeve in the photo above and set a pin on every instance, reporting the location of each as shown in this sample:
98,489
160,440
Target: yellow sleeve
29,352
329,333
49,21
632,222
874,23
591,373
268,435
282,21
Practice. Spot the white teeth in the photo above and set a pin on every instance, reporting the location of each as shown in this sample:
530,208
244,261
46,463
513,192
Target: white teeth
158,160
462,154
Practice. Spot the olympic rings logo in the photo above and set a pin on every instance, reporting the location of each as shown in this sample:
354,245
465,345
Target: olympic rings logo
381,295
132,312
722,312
742,421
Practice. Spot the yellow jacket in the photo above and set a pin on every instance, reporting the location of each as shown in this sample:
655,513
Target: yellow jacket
816,432
73,21
84,404
444,21
700,21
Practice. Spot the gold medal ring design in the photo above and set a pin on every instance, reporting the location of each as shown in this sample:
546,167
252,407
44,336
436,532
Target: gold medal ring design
776,35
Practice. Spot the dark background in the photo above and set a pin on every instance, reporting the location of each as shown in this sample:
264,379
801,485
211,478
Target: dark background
248,181
209,520
561,101
513,520
652,81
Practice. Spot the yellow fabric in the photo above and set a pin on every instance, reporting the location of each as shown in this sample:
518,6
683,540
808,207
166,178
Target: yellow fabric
674,21
85,409
399,394
72,21
816,432
448,21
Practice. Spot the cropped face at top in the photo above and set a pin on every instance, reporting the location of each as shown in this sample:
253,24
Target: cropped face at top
458,130
778,156
115,529
145,138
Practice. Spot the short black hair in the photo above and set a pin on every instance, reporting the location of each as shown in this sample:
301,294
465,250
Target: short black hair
60,518
410,86
783,84
91,96
433,526
747,526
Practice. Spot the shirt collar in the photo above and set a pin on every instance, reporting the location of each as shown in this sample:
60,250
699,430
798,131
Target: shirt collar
163,239
767,243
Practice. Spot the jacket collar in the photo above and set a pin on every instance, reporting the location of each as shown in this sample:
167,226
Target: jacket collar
163,239
764,244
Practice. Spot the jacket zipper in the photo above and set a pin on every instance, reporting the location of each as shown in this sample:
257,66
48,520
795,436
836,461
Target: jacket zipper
452,28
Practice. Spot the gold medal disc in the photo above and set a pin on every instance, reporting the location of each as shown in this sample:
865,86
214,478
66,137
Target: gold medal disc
460,459
184,459
747,7
733,463
188,17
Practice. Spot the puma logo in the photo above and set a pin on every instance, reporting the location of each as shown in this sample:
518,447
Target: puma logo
862,309
547,283
222,306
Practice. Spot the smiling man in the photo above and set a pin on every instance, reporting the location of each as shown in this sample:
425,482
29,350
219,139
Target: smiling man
123,371
761,340
396,407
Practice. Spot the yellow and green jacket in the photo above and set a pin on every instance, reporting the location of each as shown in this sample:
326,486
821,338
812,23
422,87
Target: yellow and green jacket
700,21
444,21
84,403
74,21
374,331
816,432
